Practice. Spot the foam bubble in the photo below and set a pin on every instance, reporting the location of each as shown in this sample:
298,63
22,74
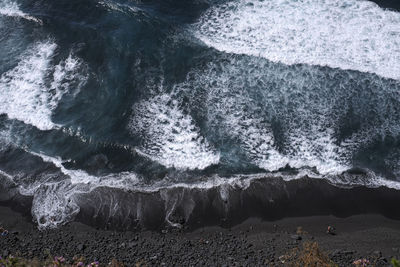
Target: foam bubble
346,34
171,137
11,9
25,95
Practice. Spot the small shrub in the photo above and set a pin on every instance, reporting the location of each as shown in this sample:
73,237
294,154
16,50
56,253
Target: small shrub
310,255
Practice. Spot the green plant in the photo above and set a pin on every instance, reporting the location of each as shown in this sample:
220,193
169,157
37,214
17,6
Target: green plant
395,262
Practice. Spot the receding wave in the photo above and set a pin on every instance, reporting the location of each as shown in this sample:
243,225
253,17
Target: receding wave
54,193
346,34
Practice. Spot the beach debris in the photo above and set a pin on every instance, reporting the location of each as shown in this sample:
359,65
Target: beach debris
361,262
331,230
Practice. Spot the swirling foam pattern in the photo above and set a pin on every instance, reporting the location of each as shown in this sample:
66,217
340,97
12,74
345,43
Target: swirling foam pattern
346,34
25,92
171,137
301,116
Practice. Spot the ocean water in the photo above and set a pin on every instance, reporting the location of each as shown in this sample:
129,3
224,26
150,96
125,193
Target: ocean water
147,96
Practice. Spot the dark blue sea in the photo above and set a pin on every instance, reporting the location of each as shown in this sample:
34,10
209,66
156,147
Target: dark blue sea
105,102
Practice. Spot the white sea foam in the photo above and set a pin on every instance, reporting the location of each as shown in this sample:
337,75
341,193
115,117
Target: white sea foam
12,9
233,111
23,91
54,197
6,175
54,200
171,137
346,34
242,97
119,7
123,180
25,95
66,74
54,205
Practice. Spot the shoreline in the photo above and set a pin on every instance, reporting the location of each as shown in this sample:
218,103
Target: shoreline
226,205
253,242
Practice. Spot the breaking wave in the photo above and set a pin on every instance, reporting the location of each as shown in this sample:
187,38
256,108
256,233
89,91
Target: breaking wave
298,116
26,94
349,34
171,137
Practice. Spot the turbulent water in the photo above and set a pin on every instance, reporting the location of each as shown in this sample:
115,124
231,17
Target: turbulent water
147,95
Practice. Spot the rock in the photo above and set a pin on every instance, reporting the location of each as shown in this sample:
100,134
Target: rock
377,254
6,253
335,253
81,247
132,244
295,237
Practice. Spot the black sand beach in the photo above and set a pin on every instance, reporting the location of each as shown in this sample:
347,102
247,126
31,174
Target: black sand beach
251,243
259,225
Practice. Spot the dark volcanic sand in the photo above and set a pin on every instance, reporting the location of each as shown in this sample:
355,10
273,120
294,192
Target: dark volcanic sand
251,243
